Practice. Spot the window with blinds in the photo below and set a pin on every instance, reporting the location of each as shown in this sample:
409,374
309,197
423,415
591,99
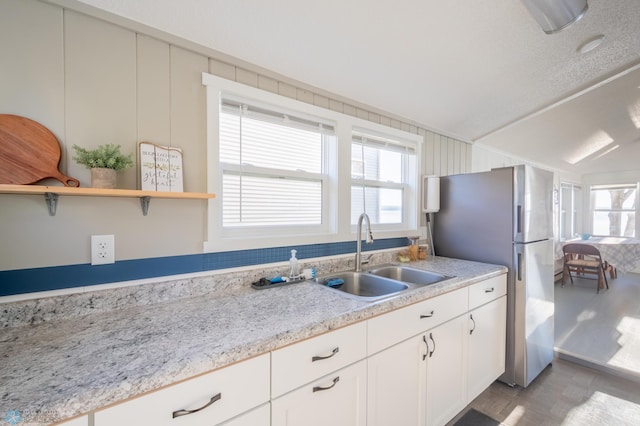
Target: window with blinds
382,171
273,166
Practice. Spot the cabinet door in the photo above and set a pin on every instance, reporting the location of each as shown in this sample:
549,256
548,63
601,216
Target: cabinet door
447,370
396,384
487,334
338,399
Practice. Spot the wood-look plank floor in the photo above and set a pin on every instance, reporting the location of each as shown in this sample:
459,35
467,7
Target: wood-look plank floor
565,393
597,337
600,328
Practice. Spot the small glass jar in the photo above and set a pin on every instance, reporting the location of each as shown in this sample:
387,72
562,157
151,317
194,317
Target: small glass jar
423,251
413,248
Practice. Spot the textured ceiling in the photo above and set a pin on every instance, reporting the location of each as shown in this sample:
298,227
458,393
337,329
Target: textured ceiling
480,70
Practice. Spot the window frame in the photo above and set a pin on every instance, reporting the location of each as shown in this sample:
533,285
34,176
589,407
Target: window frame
408,187
573,217
336,205
323,177
593,209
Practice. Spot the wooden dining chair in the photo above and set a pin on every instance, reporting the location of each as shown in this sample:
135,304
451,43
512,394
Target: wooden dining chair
583,259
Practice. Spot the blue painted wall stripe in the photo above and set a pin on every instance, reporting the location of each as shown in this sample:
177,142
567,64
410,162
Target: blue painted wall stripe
60,277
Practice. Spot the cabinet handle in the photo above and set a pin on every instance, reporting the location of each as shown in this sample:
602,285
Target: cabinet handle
179,413
489,290
320,388
424,339
429,315
474,324
434,345
320,358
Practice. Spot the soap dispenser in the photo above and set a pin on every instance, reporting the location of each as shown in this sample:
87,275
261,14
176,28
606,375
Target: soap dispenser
293,264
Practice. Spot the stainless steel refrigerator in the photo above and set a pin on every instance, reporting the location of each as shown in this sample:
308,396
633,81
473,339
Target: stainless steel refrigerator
505,217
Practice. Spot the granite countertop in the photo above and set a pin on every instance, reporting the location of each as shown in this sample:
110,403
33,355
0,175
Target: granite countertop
71,366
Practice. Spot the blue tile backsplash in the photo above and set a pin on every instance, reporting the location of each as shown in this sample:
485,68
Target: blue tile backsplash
60,277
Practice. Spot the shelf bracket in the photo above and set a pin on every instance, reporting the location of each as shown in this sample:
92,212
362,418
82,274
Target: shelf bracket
144,202
52,202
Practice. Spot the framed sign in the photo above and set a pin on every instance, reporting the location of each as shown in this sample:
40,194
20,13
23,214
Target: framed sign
160,168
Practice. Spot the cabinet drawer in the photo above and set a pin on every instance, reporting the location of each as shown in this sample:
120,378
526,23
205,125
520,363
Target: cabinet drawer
396,326
303,362
241,387
486,291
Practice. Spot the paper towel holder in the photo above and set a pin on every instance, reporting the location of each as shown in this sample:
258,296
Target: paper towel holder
430,194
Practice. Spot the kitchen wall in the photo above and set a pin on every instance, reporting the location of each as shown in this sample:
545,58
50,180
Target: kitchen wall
93,78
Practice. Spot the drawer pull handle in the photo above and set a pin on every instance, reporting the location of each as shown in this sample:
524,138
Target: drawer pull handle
320,358
429,315
489,290
214,398
320,388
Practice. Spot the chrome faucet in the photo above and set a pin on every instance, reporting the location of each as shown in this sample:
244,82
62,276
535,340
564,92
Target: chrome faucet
359,239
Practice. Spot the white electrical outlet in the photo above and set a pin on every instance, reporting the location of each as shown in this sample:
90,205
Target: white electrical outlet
103,249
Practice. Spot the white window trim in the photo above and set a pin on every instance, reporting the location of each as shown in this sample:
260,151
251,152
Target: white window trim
593,209
410,189
338,227
574,223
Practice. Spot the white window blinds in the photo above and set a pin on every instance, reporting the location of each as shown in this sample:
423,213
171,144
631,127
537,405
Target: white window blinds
273,166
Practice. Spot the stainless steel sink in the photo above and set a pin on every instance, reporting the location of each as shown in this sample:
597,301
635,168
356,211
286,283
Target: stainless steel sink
408,275
362,285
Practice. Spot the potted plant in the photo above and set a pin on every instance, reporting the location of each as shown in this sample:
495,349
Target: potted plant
104,162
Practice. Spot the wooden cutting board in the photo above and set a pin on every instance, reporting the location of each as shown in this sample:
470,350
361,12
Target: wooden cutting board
29,152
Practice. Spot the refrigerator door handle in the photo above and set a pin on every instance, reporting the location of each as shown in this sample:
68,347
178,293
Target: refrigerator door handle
519,266
519,219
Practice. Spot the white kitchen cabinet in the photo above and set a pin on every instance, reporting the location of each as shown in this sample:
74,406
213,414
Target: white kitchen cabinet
430,377
338,399
210,399
421,381
396,384
446,371
487,345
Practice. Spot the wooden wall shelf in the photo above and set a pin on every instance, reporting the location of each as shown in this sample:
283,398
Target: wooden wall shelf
51,194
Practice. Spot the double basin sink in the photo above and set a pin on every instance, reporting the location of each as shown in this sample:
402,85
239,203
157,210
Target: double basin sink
380,282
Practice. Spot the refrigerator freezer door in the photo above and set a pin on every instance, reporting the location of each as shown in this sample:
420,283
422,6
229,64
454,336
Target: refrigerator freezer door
533,204
534,307
475,220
